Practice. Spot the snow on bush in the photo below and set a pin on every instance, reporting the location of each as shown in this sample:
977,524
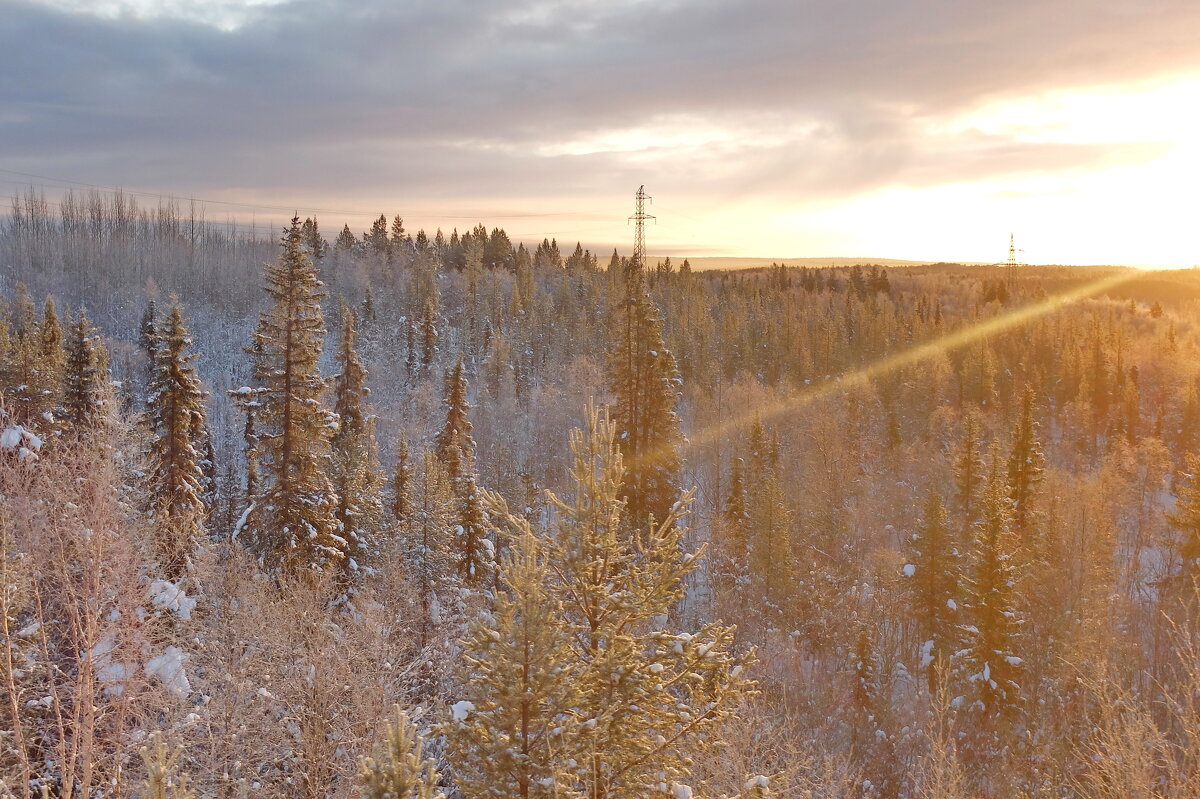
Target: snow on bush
169,596
168,668
17,439
460,710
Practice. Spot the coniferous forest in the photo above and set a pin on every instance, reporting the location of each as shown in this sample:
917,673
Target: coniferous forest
412,514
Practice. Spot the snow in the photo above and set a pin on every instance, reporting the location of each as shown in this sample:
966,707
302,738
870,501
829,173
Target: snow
110,673
25,442
241,522
10,438
679,791
168,667
460,710
29,630
757,781
909,570
168,595
926,654
950,603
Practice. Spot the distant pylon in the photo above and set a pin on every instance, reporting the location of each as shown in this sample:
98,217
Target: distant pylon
1010,270
640,216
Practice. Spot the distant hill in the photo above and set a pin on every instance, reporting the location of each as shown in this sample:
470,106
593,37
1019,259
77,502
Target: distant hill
752,263
707,263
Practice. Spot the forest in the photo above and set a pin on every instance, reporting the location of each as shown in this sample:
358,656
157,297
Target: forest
292,512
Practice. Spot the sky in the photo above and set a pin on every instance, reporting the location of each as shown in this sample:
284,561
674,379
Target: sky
913,129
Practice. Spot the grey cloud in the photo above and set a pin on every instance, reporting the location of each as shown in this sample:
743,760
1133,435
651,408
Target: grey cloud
310,96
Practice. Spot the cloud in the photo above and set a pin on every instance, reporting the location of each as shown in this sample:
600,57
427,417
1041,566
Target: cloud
508,100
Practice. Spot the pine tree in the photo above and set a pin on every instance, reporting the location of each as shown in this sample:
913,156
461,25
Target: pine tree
83,376
163,780
643,689
376,240
515,728
988,668
291,525
400,769
1025,466
934,571
398,236
355,467
176,416
645,385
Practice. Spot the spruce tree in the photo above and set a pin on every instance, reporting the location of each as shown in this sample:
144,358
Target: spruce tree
454,443
291,524
402,485
455,448
84,374
27,386
933,571
1025,466
148,337
988,668
51,352
411,357
644,382
969,467
429,335
471,545
771,561
731,536
426,542
355,467
175,409
1181,589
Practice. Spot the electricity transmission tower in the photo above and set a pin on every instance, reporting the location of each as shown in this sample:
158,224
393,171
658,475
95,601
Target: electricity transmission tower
640,216
1010,269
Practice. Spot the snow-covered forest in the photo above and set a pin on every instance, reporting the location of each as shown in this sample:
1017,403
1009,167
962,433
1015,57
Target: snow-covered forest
447,514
